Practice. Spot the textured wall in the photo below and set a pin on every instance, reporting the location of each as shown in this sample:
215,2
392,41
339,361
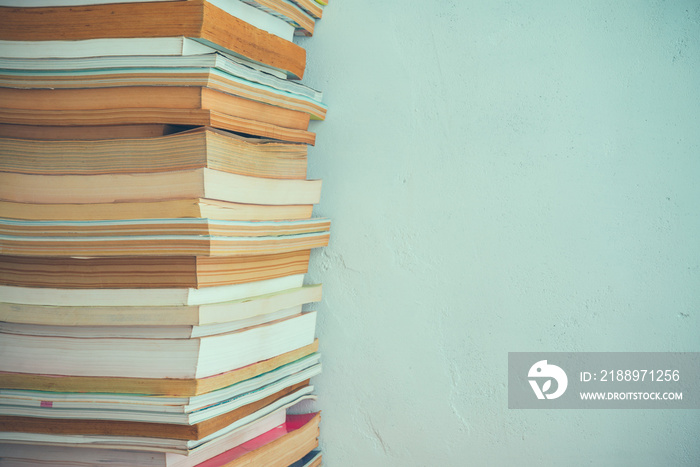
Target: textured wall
502,176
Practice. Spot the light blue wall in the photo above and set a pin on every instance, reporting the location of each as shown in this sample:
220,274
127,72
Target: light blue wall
502,176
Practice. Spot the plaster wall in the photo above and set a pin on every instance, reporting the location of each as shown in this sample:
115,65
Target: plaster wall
502,176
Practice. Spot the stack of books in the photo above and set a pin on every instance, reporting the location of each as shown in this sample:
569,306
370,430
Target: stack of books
155,228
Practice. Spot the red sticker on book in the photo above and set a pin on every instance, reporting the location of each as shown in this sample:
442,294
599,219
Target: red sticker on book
46,404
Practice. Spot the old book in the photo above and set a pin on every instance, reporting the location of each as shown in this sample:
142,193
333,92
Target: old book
77,455
164,245
164,226
236,8
196,106
112,426
276,448
278,420
193,149
150,98
197,19
154,386
312,459
120,125
128,55
158,48
148,297
167,358
196,207
140,407
183,320
312,7
148,272
87,133
204,448
161,186
203,419
212,70
160,331
288,11
164,237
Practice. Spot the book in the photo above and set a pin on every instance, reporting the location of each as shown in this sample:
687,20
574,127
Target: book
148,297
162,331
178,418
196,19
312,459
162,186
278,420
150,98
153,227
203,449
158,48
289,12
112,425
165,237
212,70
167,358
128,55
312,7
179,208
88,133
179,320
236,8
182,409
193,149
276,448
146,272
196,106
184,387
163,245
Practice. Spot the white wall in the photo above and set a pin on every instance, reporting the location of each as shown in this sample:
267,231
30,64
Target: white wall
502,176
